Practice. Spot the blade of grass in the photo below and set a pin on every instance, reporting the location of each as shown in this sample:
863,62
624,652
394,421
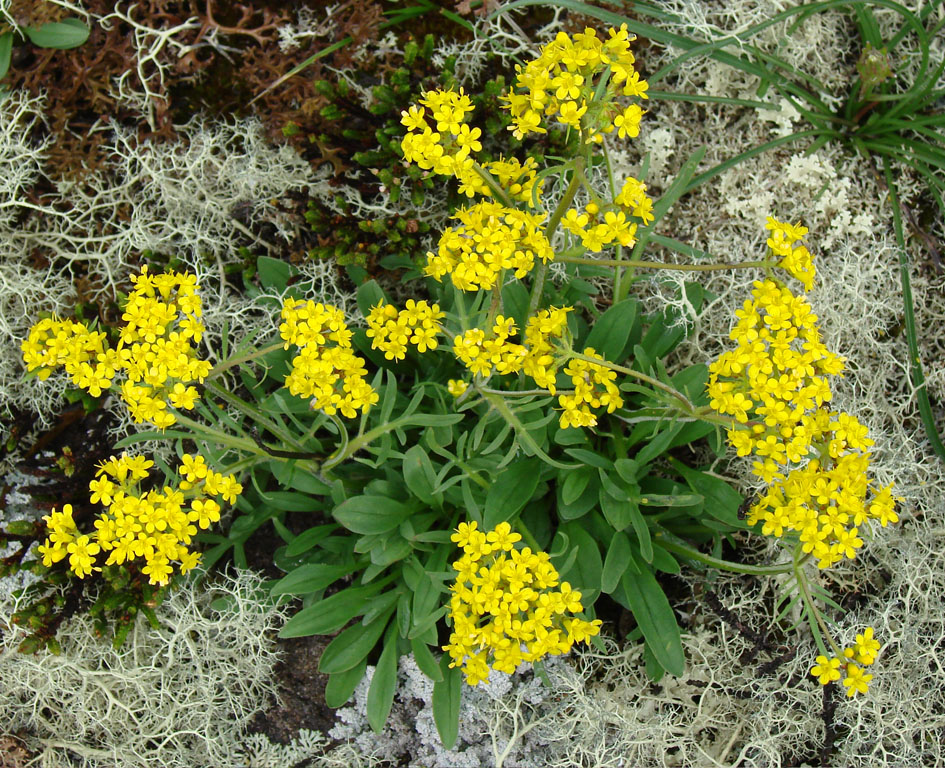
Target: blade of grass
700,98
915,364
760,149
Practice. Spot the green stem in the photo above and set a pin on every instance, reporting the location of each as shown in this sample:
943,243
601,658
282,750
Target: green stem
542,269
519,393
676,546
811,606
657,265
494,186
234,361
527,535
618,270
496,299
254,413
219,437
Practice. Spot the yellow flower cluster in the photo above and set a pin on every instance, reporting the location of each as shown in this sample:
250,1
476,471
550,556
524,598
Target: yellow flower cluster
505,608
448,150
155,349
861,654
598,228
785,242
496,354
390,331
563,80
481,354
491,238
593,388
153,527
815,459
318,368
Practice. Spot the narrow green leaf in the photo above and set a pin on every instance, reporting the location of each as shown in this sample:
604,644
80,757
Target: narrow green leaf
663,561
585,571
656,619
425,660
299,477
341,685
308,539
273,273
371,514
590,458
390,549
447,694
329,615
290,501
369,294
619,558
380,696
419,474
574,484
721,500
611,332
310,577
6,52
510,492
659,442
352,646
62,35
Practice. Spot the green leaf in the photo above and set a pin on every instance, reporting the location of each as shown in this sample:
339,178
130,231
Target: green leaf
585,572
419,474
68,33
655,618
391,549
310,578
510,492
619,558
369,295
383,684
721,500
587,501
371,514
329,615
289,500
575,483
446,699
341,685
590,458
664,561
515,300
273,273
621,508
691,381
6,52
299,477
659,442
628,469
352,646
425,660
308,539
671,499
610,335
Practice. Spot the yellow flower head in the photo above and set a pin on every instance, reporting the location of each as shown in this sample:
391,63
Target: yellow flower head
504,609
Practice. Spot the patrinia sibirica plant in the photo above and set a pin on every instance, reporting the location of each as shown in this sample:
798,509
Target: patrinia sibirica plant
491,413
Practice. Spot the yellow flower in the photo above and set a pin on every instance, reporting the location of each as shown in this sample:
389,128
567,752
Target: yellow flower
826,670
456,387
